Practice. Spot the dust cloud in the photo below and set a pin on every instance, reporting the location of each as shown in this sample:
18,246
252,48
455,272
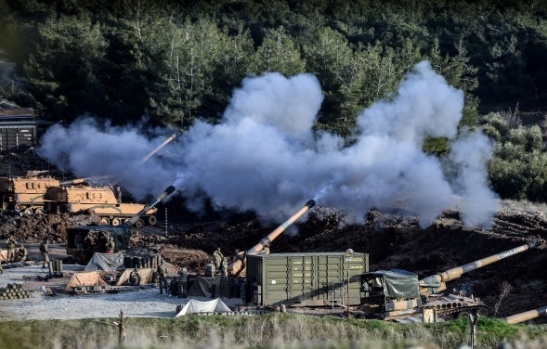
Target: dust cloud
264,155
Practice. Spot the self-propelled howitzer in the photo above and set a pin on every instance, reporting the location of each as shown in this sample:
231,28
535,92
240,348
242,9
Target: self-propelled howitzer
398,294
84,241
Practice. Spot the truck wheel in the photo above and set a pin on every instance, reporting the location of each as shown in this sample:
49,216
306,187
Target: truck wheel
39,210
152,220
116,222
27,211
139,223
104,221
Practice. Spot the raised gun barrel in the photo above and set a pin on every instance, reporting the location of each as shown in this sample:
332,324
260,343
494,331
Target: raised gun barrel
36,173
131,221
237,266
527,315
437,283
86,180
274,234
155,150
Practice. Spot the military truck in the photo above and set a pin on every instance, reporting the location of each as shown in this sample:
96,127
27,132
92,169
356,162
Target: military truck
25,194
398,295
81,196
84,241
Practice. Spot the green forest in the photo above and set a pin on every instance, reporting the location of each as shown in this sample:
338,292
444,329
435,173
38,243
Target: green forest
175,61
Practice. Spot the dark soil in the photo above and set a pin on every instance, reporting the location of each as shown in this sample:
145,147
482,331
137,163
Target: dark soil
391,241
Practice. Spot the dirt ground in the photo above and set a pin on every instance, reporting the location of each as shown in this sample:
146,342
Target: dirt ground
512,285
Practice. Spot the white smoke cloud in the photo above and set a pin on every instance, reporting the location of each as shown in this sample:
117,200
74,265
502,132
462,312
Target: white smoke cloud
88,149
263,155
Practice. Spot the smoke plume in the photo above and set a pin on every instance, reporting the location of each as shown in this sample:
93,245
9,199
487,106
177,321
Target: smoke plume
263,155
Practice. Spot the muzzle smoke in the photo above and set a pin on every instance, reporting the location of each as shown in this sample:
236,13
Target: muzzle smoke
263,155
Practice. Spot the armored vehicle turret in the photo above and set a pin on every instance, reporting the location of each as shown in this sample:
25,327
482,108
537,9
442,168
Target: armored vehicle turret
25,194
84,241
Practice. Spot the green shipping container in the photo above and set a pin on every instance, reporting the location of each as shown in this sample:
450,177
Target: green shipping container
306,279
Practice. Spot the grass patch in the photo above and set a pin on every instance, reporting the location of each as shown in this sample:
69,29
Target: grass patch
276,330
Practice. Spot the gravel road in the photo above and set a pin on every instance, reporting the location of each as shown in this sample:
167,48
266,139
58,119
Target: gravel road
146,302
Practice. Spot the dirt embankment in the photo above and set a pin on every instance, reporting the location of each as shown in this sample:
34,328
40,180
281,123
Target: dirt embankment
391,241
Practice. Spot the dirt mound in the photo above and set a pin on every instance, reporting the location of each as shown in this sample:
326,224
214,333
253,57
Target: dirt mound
391,240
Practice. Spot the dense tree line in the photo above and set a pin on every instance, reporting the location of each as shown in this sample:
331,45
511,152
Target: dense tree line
179,60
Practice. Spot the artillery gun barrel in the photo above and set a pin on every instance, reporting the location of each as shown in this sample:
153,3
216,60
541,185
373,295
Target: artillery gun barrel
130,222
144,159
83,180
527,315
237,267
36,173
274,234
437,282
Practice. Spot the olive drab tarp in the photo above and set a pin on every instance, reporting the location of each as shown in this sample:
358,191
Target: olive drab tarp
203,286
397,283
92,278
145,276
105,261
195,307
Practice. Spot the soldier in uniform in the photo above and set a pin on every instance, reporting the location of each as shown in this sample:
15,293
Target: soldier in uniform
210,268
44,250
183,280
119,194
134,277
22,254
110,244
162,273
11,249
218,258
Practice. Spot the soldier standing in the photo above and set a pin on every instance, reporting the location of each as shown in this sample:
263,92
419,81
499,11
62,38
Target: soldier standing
218,258
11,249
162,273
110,244
183,279
44,250
119,194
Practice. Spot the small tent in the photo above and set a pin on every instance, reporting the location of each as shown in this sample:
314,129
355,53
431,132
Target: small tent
105,261
195,307
203,286
145,275
92,278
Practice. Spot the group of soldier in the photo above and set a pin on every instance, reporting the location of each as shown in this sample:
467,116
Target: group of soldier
180,283
217,263
21,254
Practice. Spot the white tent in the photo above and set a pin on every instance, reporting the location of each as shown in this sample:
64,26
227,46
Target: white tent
194,307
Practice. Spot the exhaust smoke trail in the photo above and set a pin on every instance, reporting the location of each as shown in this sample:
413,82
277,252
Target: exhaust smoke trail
264,156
